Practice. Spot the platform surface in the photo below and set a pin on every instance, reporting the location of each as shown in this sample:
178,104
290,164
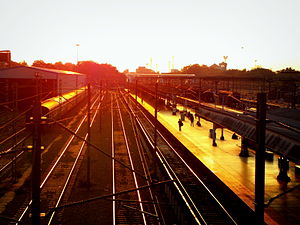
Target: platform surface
238,173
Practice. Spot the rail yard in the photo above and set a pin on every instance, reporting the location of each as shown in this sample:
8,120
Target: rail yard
105,158
134,183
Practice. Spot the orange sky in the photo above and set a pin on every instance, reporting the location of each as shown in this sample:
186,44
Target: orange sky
128,33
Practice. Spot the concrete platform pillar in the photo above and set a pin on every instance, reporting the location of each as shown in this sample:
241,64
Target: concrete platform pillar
283,165
222,134
198,122
244,148
212,134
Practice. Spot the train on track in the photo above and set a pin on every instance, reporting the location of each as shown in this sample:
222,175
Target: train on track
54,108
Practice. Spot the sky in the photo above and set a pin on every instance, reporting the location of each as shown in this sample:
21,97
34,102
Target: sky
129,33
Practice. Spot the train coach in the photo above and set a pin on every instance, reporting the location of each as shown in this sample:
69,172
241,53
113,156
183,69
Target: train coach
54,108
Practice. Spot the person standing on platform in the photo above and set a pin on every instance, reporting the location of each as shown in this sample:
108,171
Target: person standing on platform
174,111
192,119
180,124
182,115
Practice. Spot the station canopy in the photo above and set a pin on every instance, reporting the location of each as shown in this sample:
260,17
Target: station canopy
29,72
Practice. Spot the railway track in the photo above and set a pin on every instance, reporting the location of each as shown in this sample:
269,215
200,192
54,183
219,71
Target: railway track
55,180
136,164
190,192
10,155
120,203
130,208
12,149
151,196
69,166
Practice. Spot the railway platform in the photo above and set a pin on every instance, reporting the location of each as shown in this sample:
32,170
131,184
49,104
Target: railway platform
238,173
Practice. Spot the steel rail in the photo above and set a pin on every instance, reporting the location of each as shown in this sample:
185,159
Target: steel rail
10,151
142,157
74,165
189,203
16,118
55,164
13,135
198,178
172,175
113,164
190,169
131,163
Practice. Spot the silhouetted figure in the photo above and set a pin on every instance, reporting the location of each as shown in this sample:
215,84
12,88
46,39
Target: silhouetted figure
192,119
182,115
174,111
188,115
180,124
283,165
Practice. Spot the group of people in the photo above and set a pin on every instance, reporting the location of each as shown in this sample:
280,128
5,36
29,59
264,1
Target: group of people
190,116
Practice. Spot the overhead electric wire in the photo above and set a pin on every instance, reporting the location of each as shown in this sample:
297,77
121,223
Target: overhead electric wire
16,118
23,99
20,115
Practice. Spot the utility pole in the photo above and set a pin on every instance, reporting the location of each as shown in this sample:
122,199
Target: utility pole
77,46
199,96
89,135
14,155
155,115
36,158
100,112
293,95
136,88
260,158
60,98
128,90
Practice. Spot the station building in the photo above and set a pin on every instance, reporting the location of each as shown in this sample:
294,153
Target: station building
21,83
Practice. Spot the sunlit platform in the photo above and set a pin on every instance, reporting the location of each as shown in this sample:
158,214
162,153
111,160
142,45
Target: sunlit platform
238,173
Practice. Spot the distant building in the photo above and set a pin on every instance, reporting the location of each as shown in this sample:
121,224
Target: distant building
175,71
222,66
20,82
5,58
144,70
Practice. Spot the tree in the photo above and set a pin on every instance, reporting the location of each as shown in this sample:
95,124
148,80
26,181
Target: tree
97,72
261,73
203,70
59,66
70,67
236,73
192,69
40,63
288,70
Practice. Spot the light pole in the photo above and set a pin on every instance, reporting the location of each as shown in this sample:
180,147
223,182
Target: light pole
77,46
243,56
